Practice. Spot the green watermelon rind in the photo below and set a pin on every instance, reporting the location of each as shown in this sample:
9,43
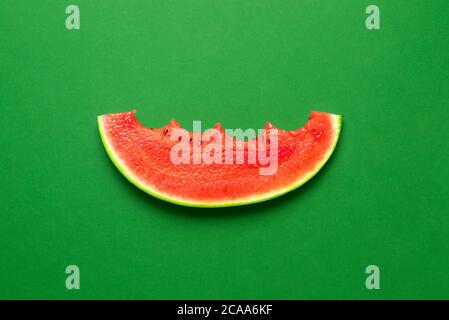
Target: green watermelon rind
245,201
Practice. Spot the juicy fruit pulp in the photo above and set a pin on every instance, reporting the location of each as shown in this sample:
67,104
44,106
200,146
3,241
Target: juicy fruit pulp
143,156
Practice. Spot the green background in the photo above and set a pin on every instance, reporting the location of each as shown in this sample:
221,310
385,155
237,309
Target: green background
382,199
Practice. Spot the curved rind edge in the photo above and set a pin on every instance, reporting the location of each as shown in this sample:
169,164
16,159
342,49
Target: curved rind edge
184,202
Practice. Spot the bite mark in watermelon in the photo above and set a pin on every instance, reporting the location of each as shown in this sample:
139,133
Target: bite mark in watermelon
143,156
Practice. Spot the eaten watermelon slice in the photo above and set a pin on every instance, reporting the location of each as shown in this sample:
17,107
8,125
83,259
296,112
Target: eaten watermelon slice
143,156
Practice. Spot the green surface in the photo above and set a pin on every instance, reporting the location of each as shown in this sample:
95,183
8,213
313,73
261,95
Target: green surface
382,199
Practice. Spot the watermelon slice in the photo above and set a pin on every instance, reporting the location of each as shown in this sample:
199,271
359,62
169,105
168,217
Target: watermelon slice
143,156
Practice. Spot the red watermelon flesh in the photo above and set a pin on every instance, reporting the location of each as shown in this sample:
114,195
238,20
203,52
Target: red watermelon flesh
143,156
